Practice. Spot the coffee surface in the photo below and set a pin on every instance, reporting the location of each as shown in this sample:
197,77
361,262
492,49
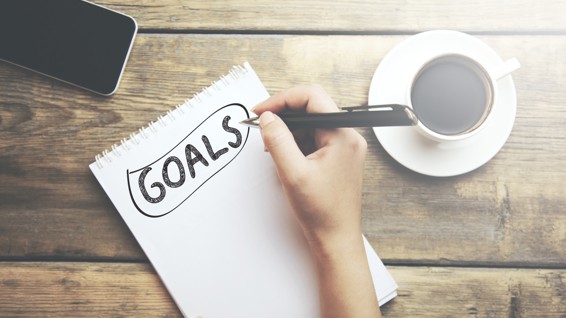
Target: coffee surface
450,97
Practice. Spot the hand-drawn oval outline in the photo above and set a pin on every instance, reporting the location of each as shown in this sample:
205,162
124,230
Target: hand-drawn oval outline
240,150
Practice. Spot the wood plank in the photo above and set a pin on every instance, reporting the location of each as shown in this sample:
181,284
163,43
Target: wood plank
346,16
477,292
134,290
82,290
508,212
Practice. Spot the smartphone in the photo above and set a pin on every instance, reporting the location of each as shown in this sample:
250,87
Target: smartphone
75,41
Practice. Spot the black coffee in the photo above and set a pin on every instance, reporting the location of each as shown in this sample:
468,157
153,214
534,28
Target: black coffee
451,95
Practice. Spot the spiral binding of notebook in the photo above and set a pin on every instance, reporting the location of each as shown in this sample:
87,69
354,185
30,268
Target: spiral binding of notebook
153,127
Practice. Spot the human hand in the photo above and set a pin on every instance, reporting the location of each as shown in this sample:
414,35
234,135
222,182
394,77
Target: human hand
321,169
321,172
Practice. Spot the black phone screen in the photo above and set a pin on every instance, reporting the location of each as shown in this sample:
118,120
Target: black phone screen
71,40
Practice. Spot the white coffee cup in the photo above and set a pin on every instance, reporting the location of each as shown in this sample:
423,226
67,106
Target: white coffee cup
453,95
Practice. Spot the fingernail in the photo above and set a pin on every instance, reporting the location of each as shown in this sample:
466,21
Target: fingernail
266,118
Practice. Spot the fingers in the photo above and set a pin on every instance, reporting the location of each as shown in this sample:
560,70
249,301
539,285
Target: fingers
279,141
313,99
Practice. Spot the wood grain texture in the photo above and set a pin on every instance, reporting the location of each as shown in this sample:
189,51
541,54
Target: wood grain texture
511,211
133,290
346,16
82,290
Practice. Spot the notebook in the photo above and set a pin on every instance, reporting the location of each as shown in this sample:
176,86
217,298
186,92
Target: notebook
203,201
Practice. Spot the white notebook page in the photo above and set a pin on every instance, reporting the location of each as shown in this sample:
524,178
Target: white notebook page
203,201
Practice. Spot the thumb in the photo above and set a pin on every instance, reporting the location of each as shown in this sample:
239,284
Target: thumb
280,143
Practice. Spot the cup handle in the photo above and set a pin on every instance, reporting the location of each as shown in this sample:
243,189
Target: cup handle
505,68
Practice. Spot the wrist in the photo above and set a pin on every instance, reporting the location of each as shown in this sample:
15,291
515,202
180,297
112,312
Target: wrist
331,246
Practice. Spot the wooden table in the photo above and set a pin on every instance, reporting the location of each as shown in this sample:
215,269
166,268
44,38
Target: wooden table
490,243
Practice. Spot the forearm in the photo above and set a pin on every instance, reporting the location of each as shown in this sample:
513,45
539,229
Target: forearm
346,286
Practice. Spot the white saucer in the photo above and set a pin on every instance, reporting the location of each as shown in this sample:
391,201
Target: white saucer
391,82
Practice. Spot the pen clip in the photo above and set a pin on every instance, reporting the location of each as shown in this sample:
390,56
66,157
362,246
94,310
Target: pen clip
368,107
392,107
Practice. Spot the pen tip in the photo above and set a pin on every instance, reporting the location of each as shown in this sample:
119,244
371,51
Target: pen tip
252,122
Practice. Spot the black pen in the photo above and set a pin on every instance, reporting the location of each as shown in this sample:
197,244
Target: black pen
357,116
